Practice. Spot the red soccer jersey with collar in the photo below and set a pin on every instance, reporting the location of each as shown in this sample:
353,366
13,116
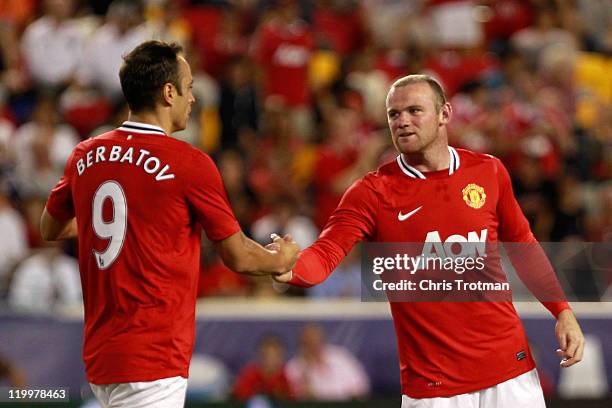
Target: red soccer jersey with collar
444,348
140,199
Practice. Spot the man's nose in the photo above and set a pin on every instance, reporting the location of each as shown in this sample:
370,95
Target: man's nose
404,119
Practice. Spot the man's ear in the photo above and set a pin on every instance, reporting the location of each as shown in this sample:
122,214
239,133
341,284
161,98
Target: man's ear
445,114
168,93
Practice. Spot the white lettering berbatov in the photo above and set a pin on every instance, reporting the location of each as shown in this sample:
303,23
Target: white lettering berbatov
151,165
128,155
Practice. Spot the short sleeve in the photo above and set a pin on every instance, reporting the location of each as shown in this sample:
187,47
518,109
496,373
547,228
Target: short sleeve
207,197
60,203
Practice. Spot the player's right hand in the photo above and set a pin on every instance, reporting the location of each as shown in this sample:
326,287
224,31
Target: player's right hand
570,337
288,250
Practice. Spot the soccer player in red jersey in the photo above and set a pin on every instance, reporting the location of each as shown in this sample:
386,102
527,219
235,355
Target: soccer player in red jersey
138,199
452,354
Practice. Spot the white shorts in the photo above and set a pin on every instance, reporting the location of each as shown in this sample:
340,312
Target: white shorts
164,393
523,391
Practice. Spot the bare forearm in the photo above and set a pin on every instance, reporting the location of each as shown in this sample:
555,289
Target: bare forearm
258,260
243,255
53,230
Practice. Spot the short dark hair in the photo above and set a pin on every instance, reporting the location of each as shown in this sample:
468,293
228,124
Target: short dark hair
145,70
435,86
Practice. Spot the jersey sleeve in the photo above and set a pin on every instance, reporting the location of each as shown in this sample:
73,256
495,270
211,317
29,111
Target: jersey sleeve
525,253
60,204
513,225
352,221
208,200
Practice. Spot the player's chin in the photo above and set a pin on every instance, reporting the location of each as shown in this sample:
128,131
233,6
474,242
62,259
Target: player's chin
406,146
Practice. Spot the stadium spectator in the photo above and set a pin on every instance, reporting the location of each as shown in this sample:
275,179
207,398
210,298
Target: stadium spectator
45,281
371,83
423,186
325,372
267,375
282,48
238,110
13,240
165,22
123,30
209,379
340,26
53,45
227,44
341,159
277,157
241,197
533,40
42,147
141,204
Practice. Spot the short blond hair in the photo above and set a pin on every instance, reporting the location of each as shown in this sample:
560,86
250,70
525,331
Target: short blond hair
435,86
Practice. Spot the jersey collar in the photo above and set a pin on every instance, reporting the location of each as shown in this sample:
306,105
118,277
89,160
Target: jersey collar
415,173
139,127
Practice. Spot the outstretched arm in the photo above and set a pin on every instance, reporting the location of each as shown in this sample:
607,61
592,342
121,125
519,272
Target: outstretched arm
243,255
351,222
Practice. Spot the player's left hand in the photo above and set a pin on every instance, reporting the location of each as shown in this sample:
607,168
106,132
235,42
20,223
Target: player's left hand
570,337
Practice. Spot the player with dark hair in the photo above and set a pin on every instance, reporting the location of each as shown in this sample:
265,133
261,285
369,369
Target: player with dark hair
138,199
452,354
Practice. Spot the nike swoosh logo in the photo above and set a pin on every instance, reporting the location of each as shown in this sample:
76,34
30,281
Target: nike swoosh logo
404,217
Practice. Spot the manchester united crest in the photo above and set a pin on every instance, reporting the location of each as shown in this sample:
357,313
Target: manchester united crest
474,195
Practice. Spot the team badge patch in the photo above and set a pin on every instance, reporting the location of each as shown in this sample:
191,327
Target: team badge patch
474,195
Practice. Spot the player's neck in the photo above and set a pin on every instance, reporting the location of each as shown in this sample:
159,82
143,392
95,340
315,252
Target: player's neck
152,118
432,158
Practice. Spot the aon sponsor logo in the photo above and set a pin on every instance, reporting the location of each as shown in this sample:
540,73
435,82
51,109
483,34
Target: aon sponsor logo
455,245
289,55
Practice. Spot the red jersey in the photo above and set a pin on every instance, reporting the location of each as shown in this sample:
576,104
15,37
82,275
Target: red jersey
445,348
252,380
284,53
140,199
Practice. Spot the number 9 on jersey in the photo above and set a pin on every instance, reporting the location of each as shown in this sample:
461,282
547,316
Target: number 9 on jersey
115,229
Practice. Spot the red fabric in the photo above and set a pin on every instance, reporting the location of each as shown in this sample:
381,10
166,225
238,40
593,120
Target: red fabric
217,279
253,381
284,54
204,22
140,308
329,164
393,63
85,118
509,16
454,70
345,32
445,348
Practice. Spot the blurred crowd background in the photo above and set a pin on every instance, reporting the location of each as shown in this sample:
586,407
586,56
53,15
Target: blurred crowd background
291,106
